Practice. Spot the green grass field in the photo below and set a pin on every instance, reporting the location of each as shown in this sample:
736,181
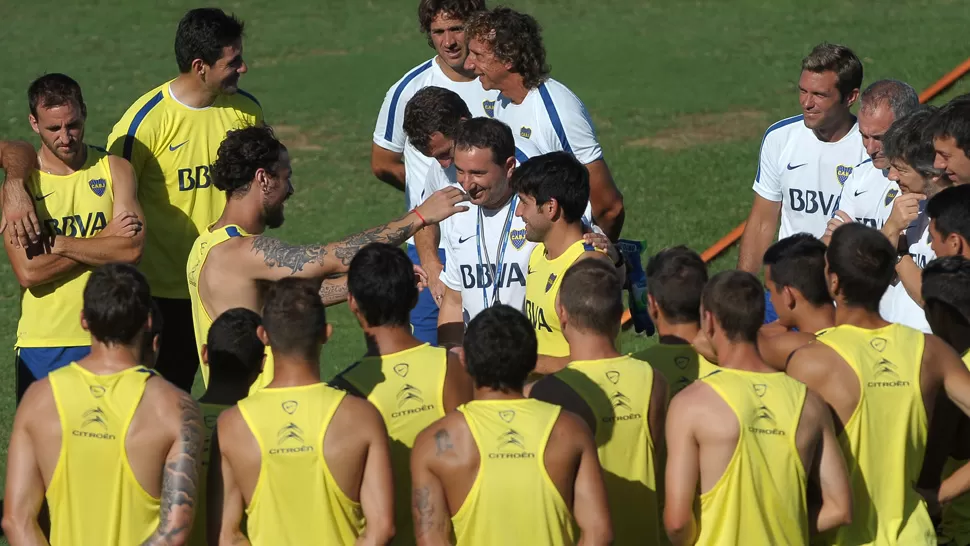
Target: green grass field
680,92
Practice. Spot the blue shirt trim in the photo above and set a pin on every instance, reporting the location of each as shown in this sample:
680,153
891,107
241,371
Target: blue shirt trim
554,117
136,121
520,156
775,127
233,232
392,111
249,95
869,160
588,247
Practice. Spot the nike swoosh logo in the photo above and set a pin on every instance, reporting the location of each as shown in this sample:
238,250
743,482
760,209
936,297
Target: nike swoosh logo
858,193
531,271
176,147
460,240
790,168
42,197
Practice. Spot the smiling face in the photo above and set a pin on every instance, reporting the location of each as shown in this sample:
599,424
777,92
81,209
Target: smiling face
953,160
448,39
277,189
481,61
819,97
224,74
484,180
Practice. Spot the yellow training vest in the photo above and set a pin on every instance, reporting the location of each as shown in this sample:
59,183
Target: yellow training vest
296,500
93,496
513,498
885,438
678,363
77,205
541,288
200,317
407,388
956,515
618,391
210,414
760,498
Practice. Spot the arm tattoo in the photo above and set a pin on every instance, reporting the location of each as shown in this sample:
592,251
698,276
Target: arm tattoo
181,478
346,249
425,509
276,253
333,291
442,442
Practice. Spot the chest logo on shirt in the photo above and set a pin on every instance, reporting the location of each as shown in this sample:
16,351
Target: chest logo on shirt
97,391
517,236
95,419
290,406
681,362
525,132
551,281
890,195
613,376
98,185
878,344
401,369
489,107
842,172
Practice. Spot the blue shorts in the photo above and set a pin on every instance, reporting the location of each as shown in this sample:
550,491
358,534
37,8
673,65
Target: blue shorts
770,314
424,316
35,363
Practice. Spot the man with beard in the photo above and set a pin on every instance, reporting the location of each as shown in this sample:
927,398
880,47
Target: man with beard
231,259
85,199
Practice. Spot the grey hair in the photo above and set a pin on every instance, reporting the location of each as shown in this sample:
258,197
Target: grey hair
900,96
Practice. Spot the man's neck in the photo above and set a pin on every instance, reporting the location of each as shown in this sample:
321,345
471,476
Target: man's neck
818,318
52,164
188,90
501,201
676,334
741,356
858,316
836,130
236,213
514,89
484,393
560,237
224,394
109,359
454,74
386,340
590,346
294,371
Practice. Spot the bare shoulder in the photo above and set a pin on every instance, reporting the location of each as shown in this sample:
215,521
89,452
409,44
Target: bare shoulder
571,428
815,353
452,424
358,414
171,404
935,346
691,397
447,441
120,166
38,402
776,349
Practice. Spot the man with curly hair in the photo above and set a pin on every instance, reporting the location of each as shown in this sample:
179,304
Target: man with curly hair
505,51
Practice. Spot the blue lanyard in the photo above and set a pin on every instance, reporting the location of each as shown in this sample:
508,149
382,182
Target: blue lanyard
503,242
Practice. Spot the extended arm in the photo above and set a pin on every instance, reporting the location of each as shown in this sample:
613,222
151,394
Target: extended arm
387,166
682,473
426,242
25,486
334,290
429,506
760,230
377,485
606,199
18,159
451,324
181,478
833,479
590,508
225,503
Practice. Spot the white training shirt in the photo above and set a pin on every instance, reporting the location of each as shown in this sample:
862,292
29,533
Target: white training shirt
389,131
868,195
805,174
551,118
896,305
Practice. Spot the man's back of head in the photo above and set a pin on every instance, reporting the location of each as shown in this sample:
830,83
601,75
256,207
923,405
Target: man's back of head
899,96
381,286
733,305
233,349
675,279
294,321
949,213
433,114
946,297
591,299
797,263
117,305
860,265
500,349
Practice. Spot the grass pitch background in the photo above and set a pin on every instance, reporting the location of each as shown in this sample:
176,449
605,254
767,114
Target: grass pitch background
680,92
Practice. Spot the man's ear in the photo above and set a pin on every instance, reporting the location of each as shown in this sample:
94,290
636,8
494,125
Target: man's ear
326,334
851,98
652,308
789,296
262,335
561,313
205,354
33,123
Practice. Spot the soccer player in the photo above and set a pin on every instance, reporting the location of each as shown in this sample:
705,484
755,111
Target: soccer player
113,447
411,383
170,135
505,51
233,353
951,139
403,163
882,381
504,467
675,279
795,279
949,214
807,158
622,399
911,157
552,191
305,462
232,258
86,201
755,440
867,195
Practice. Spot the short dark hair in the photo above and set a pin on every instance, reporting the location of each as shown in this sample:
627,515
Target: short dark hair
487,133
798,261
158,321
953,121
117,303
906,141
864,262
381,280
592,294
241,154
234,350
900,96
294,316
946,297
428,10
514,38
556,175
500,348
51,90
950,209
737,301
433,110
675,278
826,57
202,33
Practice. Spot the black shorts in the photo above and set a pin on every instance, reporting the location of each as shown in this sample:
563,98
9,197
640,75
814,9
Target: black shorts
178,356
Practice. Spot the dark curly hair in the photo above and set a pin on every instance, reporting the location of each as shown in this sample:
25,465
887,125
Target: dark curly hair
456,9
514,38
433,110
241,154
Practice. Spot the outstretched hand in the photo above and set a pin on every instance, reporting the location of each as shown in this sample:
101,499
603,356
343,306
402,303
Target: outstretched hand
442,204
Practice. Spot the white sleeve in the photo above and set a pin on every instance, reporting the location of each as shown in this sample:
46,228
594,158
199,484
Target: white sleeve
451,276
436,180
572,125
389,130
767,183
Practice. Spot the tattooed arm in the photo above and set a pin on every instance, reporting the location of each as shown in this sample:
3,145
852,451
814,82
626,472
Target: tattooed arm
181,478
334,290
429,506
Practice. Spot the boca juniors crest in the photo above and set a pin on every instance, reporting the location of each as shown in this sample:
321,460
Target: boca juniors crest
517,236
525,132
489,107
98,185
890,195
842,172
551,281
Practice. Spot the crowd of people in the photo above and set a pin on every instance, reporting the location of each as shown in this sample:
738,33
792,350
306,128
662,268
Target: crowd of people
826,405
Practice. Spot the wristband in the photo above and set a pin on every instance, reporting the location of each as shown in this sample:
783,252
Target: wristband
423,221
